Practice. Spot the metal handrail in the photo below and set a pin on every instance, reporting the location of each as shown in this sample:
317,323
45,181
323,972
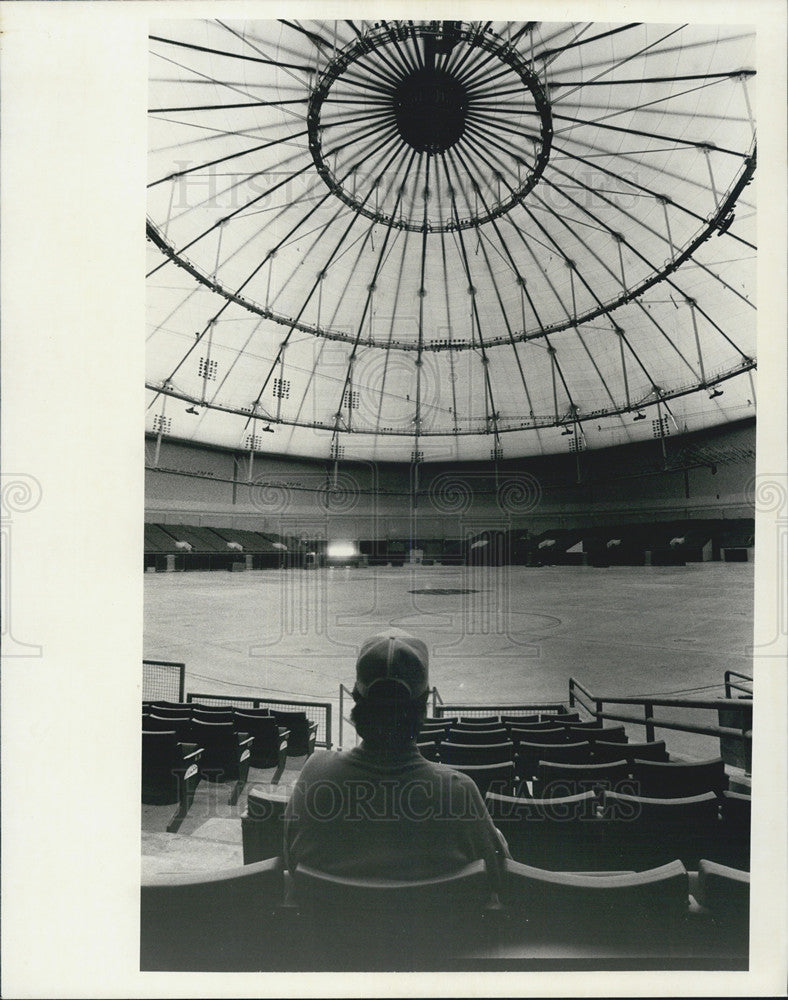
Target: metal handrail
651,722
732,684
342,718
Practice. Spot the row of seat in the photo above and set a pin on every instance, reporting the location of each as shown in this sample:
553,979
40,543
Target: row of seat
258,722
523,734
527,756
653,779
260,917
612,831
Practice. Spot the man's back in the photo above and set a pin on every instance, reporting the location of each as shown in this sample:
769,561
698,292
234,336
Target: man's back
386,814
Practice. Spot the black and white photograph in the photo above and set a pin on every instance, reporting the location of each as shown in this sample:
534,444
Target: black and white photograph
428,498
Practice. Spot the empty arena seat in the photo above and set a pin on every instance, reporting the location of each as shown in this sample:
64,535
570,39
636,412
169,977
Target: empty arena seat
302,732
481,720
678,779
530,754
642,832
733,845
226,753
571,779
488,753
180,725
660,895
560,718
441,720
490,777
551,735
724,891
262,823
519,720
387,924
429,750
270,741
604,751
170,773
559,834
609,734
469,736
200,714
224,922
173,708
473,726
536,727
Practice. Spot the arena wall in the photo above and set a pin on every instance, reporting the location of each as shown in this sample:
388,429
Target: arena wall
699,476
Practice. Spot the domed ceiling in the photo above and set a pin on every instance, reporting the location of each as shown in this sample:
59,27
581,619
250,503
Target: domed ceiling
442,240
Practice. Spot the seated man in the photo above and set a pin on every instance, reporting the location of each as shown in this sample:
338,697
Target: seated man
380,810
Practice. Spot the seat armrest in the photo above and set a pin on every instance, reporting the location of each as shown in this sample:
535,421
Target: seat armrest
313,727
244,739
191,750
283,731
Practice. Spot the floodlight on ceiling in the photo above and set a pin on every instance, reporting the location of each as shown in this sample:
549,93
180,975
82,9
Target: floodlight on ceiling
640,416
715,393
195,412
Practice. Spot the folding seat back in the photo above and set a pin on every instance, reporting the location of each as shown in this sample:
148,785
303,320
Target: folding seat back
490,777
253,713
549,737
262,824
441,720
171,709
604,751
571,779
560,718
302,732
226,753
530,754
733,845
436,728
270,741
625,900
429,750
473,726
519,720
468,736
491,753
387,924
610,734
674,779
170,773
567,753
644,832
315,888
725,892
560,834
482,720
517,731
224,922
211,713
591,724
180,725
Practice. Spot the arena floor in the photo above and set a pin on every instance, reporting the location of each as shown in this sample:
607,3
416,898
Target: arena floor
517,634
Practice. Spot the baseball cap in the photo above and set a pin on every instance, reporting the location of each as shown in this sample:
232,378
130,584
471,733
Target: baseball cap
392,656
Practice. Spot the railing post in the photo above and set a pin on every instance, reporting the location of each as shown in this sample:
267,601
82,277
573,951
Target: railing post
329,710
727,683
571,692
648,709
341,713
599,709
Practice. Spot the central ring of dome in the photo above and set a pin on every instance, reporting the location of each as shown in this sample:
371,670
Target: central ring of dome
431,108
430,127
